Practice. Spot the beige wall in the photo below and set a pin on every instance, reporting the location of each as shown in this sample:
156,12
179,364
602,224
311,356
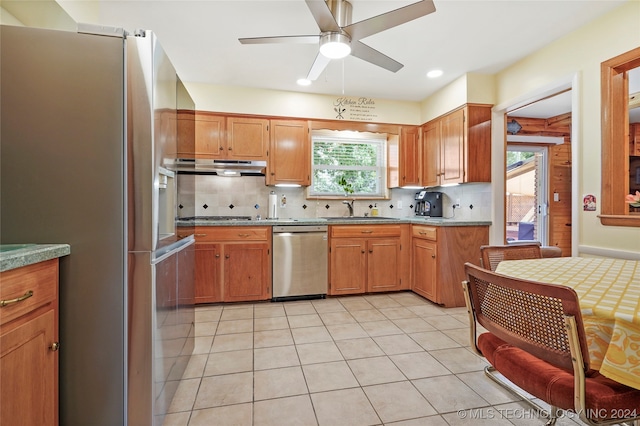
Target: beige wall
294,104
35,13
580,54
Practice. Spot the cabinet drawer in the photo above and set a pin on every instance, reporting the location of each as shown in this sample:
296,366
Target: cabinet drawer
40,278
350,231
425,232
232,233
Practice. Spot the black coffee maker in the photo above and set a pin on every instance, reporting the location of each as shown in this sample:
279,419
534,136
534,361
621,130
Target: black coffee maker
428,204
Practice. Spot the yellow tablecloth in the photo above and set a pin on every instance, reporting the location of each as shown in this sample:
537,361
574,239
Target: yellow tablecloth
609,293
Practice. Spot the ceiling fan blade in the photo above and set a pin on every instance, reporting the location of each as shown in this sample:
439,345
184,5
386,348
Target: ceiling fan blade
318,66
310,39
369,54
367,27
323,16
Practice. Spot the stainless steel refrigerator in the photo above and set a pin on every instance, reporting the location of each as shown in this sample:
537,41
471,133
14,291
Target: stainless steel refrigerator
88,134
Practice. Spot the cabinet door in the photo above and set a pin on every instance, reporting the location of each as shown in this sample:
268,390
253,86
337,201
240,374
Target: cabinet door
208,286
431,154
289,159
29,373
452,148
200,135
424,269
348,266
247,271
383,264
409,156
247,138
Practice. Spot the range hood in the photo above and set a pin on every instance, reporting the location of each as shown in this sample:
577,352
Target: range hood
220,167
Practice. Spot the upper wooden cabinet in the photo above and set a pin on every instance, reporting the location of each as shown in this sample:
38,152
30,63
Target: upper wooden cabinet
456,148
410,156
289,153
205,135
201,135
247,138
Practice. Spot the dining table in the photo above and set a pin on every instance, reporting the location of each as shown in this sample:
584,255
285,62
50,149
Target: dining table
609,295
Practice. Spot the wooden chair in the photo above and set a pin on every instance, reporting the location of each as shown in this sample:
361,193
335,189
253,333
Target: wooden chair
535,338
490,256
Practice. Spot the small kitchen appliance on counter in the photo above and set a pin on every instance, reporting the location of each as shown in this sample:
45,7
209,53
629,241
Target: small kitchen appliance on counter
428,203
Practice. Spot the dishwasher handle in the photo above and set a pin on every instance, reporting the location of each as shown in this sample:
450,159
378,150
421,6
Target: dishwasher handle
297,229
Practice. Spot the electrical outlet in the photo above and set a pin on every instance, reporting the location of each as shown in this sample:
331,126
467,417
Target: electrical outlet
457,204
399,204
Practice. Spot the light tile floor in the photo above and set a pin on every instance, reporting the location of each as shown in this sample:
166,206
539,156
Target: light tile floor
392,359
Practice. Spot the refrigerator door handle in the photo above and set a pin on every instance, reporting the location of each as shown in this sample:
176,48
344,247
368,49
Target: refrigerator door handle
171,249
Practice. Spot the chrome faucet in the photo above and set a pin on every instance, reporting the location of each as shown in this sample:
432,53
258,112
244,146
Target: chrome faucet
349,206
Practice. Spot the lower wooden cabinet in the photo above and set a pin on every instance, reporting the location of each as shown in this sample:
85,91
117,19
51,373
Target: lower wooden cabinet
438,255
29,345
424,268
208,259
233,264
367,259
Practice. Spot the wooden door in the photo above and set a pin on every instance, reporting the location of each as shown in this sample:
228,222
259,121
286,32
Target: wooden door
452,148
247,138
431,153
208,283
424,268
383,264
409,156
29,373
348,266
289,159
247,268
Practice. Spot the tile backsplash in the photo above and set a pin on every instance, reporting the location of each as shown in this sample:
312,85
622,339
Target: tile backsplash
248,196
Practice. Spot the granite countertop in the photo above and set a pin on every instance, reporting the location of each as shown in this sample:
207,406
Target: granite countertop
14,256
377,220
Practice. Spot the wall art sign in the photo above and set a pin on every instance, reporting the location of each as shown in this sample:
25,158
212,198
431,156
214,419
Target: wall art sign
355,109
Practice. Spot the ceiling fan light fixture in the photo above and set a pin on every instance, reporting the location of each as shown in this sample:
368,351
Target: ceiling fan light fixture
335,45
434,73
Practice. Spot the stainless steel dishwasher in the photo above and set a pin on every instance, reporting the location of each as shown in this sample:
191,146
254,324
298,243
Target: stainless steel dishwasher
300,262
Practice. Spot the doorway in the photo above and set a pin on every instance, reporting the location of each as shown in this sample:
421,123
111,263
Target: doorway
527,192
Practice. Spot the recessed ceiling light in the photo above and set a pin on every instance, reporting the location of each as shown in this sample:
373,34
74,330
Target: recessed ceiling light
434,73
303,82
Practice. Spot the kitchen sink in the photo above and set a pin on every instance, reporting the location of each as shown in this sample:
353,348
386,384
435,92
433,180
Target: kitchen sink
360,218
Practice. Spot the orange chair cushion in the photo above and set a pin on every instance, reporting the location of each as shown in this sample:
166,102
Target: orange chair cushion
605,398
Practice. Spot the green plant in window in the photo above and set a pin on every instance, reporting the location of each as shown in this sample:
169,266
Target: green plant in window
346,186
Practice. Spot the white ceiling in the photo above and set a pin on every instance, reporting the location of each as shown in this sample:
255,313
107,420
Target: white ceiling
477,36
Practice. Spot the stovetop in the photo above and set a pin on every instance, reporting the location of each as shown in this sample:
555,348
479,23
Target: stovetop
215,218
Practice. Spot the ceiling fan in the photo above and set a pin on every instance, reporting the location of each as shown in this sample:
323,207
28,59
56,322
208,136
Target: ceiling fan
339,37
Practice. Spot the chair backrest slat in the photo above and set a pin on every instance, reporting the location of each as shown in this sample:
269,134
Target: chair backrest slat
526,314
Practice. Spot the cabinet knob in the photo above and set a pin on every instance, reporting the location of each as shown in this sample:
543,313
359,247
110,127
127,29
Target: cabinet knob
217,256
362,251
230,148
370,250
433,256
221,148
226,256
54,346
